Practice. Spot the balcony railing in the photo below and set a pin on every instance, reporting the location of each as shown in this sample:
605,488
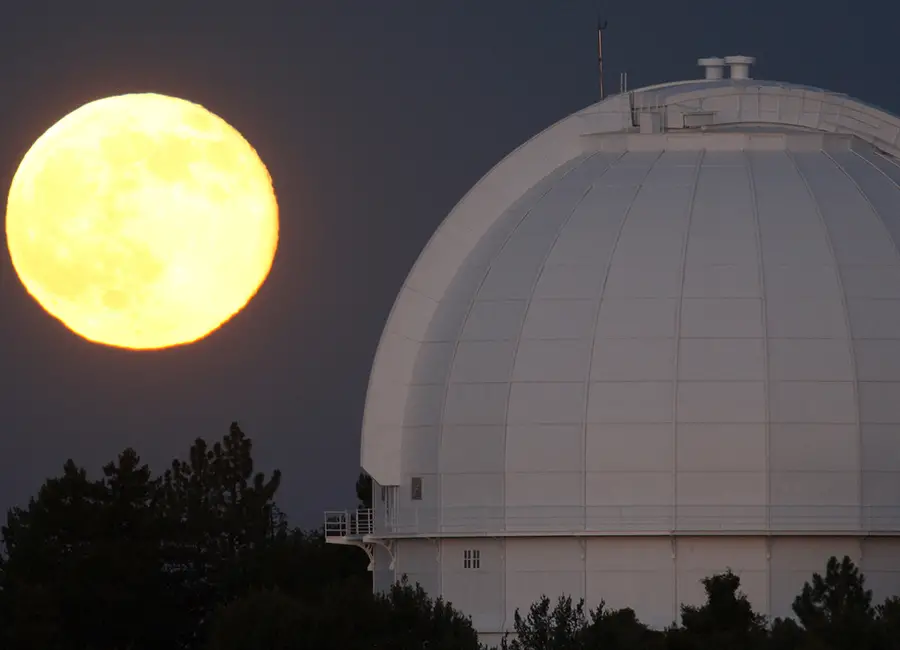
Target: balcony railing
620,519
349,523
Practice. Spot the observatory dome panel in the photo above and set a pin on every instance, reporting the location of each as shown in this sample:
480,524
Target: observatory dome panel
640,320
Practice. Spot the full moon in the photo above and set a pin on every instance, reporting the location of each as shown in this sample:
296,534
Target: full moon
142,221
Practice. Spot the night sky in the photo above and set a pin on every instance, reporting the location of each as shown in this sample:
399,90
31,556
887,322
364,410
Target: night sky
374,117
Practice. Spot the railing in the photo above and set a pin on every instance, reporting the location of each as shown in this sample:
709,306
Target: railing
349,523
612,520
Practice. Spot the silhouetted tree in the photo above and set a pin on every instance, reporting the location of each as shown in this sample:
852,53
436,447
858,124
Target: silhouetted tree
87,555
364,490
342,620
887,616
220,517
836,609
262,620
101,563
620,629
786,634
726,620
568,627
560,628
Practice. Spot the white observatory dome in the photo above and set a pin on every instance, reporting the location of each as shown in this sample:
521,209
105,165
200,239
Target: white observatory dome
660,339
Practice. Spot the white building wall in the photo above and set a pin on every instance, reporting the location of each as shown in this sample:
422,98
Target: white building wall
652,575
675,334
698,340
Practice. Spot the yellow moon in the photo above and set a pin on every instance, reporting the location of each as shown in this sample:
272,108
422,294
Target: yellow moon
142,221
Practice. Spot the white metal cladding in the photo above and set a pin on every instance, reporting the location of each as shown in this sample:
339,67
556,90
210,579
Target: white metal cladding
652,575
694,331
729,104
640,352
687,340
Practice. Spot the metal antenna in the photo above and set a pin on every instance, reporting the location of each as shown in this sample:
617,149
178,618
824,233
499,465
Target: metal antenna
601,25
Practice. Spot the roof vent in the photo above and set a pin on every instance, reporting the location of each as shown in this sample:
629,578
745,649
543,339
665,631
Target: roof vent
740,66
715,67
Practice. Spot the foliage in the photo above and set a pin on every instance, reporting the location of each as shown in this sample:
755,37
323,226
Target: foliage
200,557
342,620
836,609
263,620
726,620
99,563
568,627
364,490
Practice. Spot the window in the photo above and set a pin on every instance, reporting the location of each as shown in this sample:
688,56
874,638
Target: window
471,558
416,488
383,494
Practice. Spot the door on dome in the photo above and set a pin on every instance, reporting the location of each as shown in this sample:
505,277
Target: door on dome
416,488
389,499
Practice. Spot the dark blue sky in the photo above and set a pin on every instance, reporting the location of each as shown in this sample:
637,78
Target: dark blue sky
374,117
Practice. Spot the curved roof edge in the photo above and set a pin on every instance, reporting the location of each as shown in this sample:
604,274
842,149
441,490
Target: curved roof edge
758,102
429,278
687,104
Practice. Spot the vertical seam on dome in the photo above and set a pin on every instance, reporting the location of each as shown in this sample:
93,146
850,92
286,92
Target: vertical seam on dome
754,205
760,261
879,169
593,331
818,207
678,311
864,510
452,360
518,340
890,160
865,196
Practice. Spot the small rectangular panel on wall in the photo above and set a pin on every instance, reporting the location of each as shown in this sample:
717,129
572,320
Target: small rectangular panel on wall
482,362
433,363
881,476
796,559
423,406
721,281
554,320
638,359
494,320
544,501
546,403
544,447
383,576
721,476
472,449
550,566
702,557
881,566
732,402
569,282
857,233
880,414
417,559
814,501
515,270
553,360
474,587
629,501
472,502
419,451
810,360
730,359
476,404
417,508
630,447
596,220
618,402
635,572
